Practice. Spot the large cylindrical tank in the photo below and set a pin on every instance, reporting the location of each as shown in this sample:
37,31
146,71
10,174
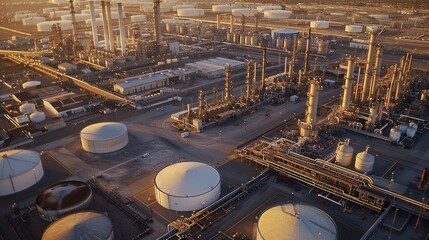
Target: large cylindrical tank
353,28
248,12
283,34
190,12
225,7
322,47
83,225
364,162
319,24
37,117
295,222
47,26
262,9
277,14
62,199
344,155
49,10
88,11
98,22
187,186
371,28
32,21
80,17
58,13
104,137
20,17
31,84
395,134
177,7
379,16
19,170
27,108
170,27
412,129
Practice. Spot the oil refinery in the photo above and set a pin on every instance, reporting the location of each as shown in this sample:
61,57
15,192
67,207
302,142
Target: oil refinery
173,119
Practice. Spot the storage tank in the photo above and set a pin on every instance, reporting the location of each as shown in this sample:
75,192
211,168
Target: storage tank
284,34
248,12
104,137
88,11
98,22
49,10
364,161
177,7
63,198
58,13
403,128
224,8
20,17
371,28
301,44
295,222
19,170
395,134
262,9
80,17
37,117
187,186
115,15
319,24
32,21
337,14
31,84
138,18
277,14
353,28
416,19
190,12
344,153
322,47
412,129
242,37
27,108
47,26
279,42
83,225
379,16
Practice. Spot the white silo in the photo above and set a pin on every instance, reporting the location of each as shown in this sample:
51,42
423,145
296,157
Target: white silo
104,137
190,12
27,108
277,14
412,129
364,161
31,84
37,117
187,186
395,134
353,28
63,198
84,225
19,170
295,222
344,155
47,26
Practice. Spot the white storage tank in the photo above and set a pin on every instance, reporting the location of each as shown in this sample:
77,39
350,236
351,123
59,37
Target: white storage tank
80,17
416,19
319,24
20,17
19,170
353,28
379,16
344,153
31,84
277,14
224,8
395,134
49,10
58,13
403,127
63,198
295,222
98,22
88,11
364,161
37,117
262,9
371,28
248,12
32,21
337,14
190,12
83,225
187,186
115,15
47,26
104,137
412,129
27,108
138,18
177,7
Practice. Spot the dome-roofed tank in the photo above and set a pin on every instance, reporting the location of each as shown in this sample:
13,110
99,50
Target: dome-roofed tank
104,137
295,222
364,161
82,226
395,134
187,186
63,198
32,21
412,129
262,9
344,154
19,170
27,108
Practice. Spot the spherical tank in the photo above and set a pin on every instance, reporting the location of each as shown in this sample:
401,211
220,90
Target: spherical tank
344,154
19,170
37,117
31,84
295,222
104,137
364,162
63,198
27,108
395,134
412,129
187,186
47,26
277,14
83,225
32,21
190,12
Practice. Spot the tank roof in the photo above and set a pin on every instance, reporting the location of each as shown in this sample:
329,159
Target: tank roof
17,162
103,131
63,195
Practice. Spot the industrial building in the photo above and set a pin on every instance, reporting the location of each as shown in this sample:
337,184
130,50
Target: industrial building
38,93
67,68
215,67
104,137
66,105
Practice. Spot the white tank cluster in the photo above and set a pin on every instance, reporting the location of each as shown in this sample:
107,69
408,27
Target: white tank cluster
344,153
319,24
27,108
32,21
63,198
138,18
262,9
19,170
37,117
104,137
84,225
31,84
379,16
225,8
395,134
295,222
80,17
364,162
353,28
190,12
248,12
277,14
187,186
47,26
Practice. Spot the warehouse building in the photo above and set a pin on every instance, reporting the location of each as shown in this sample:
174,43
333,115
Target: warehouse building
70,103
215,67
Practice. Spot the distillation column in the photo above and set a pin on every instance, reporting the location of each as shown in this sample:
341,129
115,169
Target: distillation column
231,25
249,97
368,68
110,26
228,84
264,62
376,72
105,28
157,22
74,27
309,128
348,85
399,82
200,104
307,52
121,28
218,21
93,24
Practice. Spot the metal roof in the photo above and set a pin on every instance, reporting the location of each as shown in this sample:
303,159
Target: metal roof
103,131
17,162
187,179
63,195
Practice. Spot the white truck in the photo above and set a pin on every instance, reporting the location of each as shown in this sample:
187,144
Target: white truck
184,134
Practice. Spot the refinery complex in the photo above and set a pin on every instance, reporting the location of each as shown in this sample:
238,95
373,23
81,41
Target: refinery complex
171,119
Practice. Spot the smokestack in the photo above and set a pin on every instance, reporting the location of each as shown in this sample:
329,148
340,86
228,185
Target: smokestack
228,84
348,86
231,25
105,28
264,62
307,52
93,24
368,68
121,28
218,22
157,21
110,26
376,72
